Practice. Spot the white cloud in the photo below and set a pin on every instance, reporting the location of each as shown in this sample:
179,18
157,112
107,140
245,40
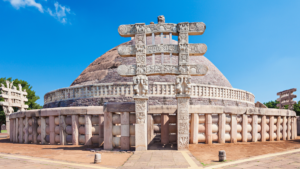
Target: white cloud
60,12
23,3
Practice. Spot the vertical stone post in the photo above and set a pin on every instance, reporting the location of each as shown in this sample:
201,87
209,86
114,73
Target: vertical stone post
21,130
164,128
34,129
278,128
108,131
141,125
289,128
254,128
271,124
208,128
125,131
284,128
233,129
295,126
222,123
244,128
101,130
62,130
7,125
263,128
88,130
17,131
75,128
52,129
183,122
26,131
150,130
11,130
194,128
43,130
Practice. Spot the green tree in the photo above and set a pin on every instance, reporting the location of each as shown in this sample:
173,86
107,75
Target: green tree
32,98
272,104
297,108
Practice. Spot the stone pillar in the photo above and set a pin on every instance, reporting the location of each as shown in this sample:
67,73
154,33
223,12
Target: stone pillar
263,128
11,130
75,127
26,131
7,125
271,124
164,128
141,125
208,128
52,129
101,130
233,129
284,128
222,123
43,130
62,130
34,129
289,128
108,131
150,130
20,130
278,128
17,130
125,131
183,122
254,128
194,128
295,125
244,128
88,130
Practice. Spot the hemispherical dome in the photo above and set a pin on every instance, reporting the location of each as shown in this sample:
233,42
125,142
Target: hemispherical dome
104,68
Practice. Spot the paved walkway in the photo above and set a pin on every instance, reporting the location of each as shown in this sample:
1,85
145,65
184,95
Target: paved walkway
162,159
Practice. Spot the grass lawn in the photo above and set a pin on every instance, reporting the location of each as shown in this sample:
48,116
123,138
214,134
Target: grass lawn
3,131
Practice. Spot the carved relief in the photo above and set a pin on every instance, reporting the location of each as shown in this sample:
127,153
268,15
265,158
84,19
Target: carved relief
197,49
184,48
140,28
140,39
141,59
161,19
183,86
140,49
140,85
141,108
183,38
183,128
183,142
141,69
184,69
183,59
183,27
126,50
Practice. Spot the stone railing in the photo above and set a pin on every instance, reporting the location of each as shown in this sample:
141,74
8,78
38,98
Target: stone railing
114,125
230,124
157,89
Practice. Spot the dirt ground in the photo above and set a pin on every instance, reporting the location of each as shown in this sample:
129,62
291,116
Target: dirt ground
68,153
208,154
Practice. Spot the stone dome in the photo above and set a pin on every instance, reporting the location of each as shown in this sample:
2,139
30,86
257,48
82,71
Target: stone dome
104,68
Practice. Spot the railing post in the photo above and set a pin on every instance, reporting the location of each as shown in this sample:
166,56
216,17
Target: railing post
233,129
108,131
101,129
263,128
271,124
43,130
26,130
244,128
21,130
254,128
222,123
194,128
88,130
62,130
284,128
125,131
164,128
52,129
208,128
75,128
278,128
289,128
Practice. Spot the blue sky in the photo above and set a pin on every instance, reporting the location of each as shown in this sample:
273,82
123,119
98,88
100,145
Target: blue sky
49,43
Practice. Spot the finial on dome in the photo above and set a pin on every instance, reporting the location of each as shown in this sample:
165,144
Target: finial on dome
161,19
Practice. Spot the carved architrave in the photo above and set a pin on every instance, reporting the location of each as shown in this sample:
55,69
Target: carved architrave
195,28
132,70
183,27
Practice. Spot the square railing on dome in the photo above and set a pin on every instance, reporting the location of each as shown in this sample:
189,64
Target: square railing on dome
184,70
